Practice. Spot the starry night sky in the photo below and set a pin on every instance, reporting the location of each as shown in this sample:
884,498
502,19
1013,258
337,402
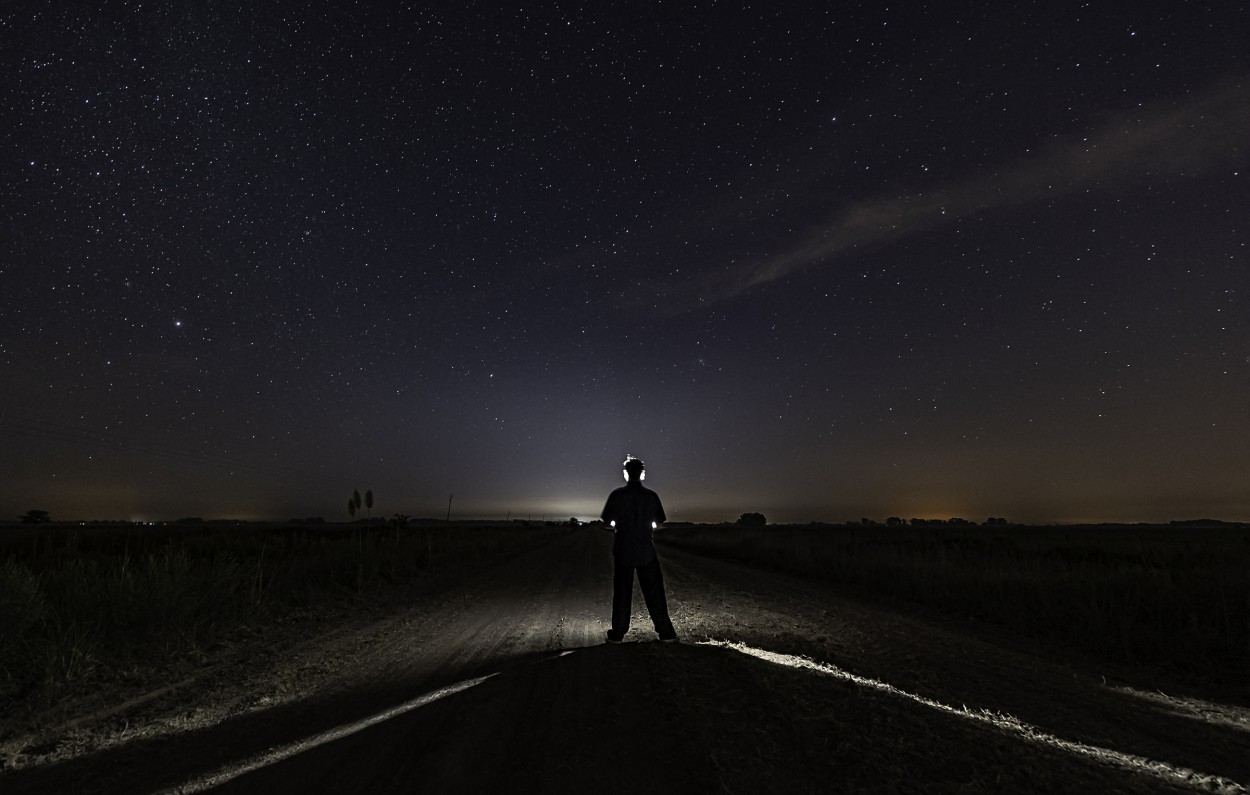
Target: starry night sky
820,261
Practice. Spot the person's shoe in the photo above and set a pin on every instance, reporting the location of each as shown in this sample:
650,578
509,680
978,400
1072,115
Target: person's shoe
613,639
673,639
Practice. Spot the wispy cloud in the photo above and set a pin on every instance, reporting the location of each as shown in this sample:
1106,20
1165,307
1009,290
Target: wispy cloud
1181,138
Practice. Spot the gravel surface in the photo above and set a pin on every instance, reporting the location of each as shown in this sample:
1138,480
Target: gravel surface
502,683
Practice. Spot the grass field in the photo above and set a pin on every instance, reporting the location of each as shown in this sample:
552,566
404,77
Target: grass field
1164,597
77,601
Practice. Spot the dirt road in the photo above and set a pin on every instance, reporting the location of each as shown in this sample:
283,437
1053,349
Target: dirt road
779,685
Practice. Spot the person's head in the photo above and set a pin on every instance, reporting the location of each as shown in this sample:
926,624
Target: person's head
634,469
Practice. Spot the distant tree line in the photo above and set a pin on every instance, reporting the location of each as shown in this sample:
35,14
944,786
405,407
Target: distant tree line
954,521
758,520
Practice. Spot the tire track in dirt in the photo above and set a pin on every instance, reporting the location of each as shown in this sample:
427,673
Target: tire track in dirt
939,660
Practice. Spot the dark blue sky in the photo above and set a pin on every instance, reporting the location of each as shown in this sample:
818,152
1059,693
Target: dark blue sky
823,263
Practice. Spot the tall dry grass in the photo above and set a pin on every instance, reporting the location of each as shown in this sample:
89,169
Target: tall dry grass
1170,598
76,603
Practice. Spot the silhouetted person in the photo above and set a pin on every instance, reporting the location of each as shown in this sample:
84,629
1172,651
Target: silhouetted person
633,513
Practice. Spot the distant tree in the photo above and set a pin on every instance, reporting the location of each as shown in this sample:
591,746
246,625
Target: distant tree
369,505
573,522
353,505
752,520
400,522
36,517
895,521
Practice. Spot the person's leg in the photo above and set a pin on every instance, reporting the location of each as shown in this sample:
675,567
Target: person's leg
651,578
622,599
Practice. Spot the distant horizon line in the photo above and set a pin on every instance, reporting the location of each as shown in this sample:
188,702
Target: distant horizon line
192,521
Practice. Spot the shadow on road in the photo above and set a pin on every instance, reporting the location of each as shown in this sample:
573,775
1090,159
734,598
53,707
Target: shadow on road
948,661
629,718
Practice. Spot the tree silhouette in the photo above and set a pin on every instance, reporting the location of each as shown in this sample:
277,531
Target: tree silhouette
399,521
36,517
369,505
353,505
752,520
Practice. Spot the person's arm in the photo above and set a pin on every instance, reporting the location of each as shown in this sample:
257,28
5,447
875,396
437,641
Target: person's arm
609,514
660,518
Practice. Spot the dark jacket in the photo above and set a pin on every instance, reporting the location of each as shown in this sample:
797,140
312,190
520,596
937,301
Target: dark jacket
636,510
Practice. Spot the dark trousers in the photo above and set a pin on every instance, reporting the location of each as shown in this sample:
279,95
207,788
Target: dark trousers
651,580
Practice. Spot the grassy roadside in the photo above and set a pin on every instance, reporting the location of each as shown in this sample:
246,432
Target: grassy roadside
75,606
1176,600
